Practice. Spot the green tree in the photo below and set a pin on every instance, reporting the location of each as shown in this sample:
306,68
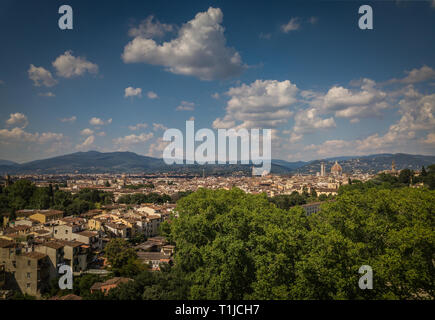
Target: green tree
123,259
405,176
423,172
40,199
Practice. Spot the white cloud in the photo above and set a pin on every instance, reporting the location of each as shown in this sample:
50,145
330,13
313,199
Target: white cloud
417,75
132,92
68,66
354,120
294,137
49,136
149,29
70,120
215,95
133,139
262,104
430,139
18,135
199,50
17,119
366,101
99,122
41,76
152,95
308,120
89,141
87,132
292,25
417,116
156,148
225,123
138,126
186,106
159,126
101,134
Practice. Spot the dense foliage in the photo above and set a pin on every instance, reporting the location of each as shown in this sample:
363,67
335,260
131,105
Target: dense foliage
152,197
123,259
405,178
232,245
138,198
286,201
23,194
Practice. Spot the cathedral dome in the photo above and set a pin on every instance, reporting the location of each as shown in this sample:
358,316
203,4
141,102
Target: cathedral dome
336,168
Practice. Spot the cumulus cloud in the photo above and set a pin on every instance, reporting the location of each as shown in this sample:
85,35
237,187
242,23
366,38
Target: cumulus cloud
262,104
41,76
417,117
199,50
89,141
152,95
70,119
292,25
87,132
132,92
133,139
308,120
18,120
18,135
68,66
99,122
49,136
430,139
159,126
156,148
415,75
138,126
366,101
186,106
150,29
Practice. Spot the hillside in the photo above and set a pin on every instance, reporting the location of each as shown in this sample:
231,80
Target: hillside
129,162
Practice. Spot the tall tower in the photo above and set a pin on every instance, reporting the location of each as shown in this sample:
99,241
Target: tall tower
7,180
322,169
393,166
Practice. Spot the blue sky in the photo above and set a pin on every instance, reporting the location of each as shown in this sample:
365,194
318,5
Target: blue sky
301,68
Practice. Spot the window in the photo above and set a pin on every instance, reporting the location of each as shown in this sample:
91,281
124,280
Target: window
28,275
28,285
29,262
55,231
66,231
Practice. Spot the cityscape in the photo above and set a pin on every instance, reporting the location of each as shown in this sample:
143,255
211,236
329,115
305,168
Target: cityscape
334,201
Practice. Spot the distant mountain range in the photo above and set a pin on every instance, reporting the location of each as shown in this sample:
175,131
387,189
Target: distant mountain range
129,162
7,163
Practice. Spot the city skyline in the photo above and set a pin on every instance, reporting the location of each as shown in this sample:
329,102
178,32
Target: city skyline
125,74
